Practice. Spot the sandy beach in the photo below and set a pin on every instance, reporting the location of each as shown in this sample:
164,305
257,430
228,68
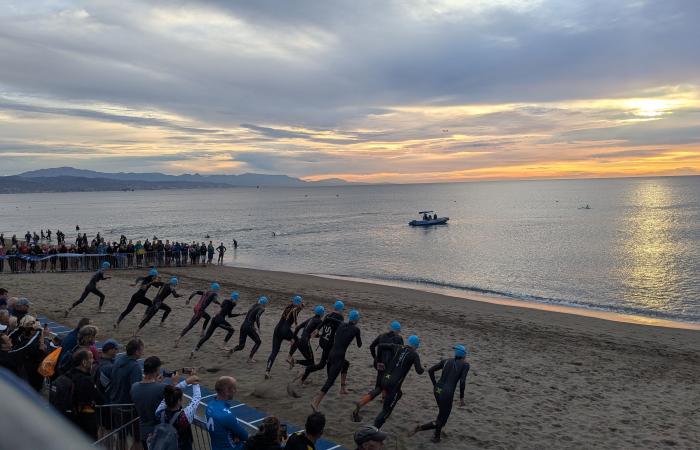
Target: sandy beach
538,379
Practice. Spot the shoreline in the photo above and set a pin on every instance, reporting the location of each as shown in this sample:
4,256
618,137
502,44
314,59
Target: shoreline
582,311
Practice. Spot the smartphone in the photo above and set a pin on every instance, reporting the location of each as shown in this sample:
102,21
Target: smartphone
167,374
189,370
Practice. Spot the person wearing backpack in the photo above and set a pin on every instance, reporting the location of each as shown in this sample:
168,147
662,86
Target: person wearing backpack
75,395
174,421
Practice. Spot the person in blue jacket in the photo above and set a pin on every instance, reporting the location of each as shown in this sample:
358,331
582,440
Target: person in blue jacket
225,433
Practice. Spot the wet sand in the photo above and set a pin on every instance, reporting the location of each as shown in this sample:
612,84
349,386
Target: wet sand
539,379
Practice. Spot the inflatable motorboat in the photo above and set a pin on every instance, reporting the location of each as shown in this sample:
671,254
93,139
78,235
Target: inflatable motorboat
429,218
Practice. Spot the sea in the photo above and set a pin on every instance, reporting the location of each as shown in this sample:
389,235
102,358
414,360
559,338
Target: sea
635,250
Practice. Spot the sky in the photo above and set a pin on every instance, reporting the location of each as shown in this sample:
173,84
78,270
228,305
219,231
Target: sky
373,91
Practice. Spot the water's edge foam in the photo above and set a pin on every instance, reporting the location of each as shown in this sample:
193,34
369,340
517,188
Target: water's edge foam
606,312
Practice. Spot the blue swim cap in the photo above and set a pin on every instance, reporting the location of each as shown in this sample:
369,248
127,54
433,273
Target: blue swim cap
413,341
354,316
297,300
173,281
319,310
460,351
262,300
395,326
106,265
215,286
339,306
234,296
153,273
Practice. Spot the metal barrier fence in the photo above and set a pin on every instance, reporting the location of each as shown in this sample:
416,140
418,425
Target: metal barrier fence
118,427
80,262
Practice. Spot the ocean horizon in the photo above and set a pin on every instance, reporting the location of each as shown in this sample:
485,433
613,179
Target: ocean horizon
636,250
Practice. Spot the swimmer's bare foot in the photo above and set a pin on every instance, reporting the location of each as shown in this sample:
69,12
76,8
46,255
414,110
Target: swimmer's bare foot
251,361
267,375
343,391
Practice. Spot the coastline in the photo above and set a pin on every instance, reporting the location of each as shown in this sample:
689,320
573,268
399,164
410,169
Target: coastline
538,376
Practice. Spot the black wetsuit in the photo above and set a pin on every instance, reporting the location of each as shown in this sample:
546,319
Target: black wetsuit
303,343
283,332
207,299
252,318
405,358
453,371
326,336
139,296
219,321
159,303
382,357
91,288
337,363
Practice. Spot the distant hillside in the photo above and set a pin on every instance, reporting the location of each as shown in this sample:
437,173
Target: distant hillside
246,179
17,184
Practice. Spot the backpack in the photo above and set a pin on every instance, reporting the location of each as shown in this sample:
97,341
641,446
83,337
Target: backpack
47,368
164,436
61,395
65,361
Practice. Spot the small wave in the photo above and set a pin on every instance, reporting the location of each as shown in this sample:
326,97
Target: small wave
620,309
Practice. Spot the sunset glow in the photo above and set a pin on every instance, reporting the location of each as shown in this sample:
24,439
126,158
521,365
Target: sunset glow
216,89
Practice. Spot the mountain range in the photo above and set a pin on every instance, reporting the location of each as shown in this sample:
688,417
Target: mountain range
69,179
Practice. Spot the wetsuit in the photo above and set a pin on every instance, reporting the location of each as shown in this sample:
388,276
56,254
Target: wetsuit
91,288
225,433
159,303
382,357
139,296
337,363
252,318
405,358
312,323
207,299
453,371
303,343
219,321
327,334
283,332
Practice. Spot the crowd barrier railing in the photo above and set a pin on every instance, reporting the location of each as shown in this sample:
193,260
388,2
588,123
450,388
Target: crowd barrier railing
118,427
84,262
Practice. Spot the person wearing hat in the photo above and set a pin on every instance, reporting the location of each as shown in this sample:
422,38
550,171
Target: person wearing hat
19,308
103,373
369,438
200,309
139,297
166,289
283,331
91,288
381,358
337,364
405,358
453,371
219,321
326,336
251,328
29,349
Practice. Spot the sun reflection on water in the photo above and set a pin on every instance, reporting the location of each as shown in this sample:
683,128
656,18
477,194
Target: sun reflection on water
649,271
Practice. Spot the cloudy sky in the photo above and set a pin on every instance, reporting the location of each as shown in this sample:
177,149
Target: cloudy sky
397,91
